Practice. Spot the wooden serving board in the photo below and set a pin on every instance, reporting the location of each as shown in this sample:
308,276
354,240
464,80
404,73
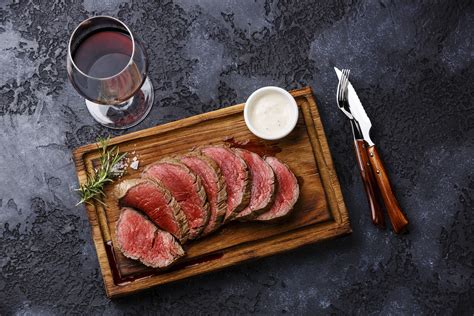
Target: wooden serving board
319,214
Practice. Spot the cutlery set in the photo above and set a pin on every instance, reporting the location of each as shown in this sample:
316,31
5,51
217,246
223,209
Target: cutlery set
374,175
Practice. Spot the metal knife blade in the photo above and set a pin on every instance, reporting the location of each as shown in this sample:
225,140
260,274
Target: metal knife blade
357,110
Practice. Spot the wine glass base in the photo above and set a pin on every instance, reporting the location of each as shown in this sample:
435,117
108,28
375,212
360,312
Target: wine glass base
127,115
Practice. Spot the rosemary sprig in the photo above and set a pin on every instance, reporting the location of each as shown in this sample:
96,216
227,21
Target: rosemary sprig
93,189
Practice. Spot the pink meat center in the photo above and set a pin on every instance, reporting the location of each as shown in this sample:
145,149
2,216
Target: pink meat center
261,179
286,185
150,199
234,174
135,234
202,169
182,187
142,240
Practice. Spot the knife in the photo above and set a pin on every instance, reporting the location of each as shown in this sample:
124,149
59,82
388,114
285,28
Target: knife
362,122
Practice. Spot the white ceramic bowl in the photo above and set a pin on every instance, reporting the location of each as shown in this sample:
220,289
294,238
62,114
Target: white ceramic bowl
292,118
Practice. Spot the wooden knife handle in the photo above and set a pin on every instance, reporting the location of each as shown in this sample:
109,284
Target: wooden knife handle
398,219
370,183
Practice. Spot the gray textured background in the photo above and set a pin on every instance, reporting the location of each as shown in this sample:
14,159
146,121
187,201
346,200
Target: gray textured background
412,66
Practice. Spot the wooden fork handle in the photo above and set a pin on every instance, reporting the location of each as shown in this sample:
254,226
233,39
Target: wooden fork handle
397,217
369,182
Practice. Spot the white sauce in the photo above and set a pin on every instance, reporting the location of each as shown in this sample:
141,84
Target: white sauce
270,114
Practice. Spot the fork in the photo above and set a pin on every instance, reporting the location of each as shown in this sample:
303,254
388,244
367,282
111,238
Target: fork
342,93
365,169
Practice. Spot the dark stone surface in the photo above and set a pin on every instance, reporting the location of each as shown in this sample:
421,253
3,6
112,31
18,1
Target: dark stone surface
412,65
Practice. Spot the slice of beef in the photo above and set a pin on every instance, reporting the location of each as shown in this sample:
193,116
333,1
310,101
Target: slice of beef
187,189
214,185
237,178
139,239
263,185
156,201
287,192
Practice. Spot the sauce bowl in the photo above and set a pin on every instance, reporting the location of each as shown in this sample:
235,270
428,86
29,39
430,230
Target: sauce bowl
271,113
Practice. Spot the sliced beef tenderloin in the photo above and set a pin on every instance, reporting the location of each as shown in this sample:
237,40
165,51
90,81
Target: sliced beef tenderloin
156,201
139,239
237,178
287,192
214,185
187,189
262,187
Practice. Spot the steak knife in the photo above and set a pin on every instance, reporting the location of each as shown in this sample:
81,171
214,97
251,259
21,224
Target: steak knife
363,124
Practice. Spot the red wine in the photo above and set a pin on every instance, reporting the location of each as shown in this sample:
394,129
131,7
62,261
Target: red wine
104,54
106,57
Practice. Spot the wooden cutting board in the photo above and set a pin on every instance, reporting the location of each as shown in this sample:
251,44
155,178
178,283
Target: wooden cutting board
319,214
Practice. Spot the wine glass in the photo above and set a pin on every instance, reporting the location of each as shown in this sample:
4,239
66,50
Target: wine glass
107,65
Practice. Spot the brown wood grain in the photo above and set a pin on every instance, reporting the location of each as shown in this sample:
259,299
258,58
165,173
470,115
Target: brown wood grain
369,182
397,217
319,214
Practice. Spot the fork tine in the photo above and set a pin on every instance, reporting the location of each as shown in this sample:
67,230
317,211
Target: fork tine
338,91
343,80
345,73
342,88
341,85
347,78
342,91
346,83
348,71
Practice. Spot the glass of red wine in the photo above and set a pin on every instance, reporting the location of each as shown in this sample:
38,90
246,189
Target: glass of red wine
108,66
